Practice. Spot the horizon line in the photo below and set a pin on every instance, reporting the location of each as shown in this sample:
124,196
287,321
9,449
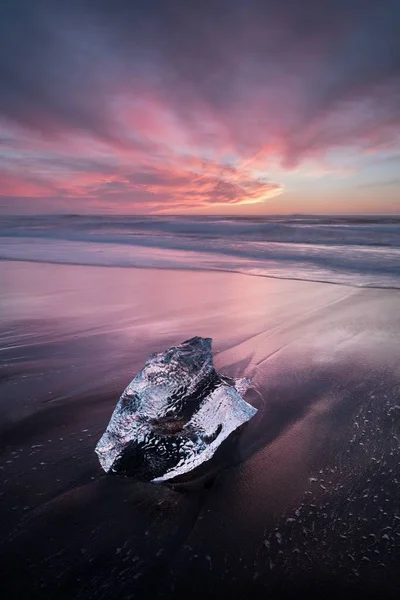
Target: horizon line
297,214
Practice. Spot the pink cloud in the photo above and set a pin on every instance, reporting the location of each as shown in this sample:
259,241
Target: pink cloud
16,185
203,130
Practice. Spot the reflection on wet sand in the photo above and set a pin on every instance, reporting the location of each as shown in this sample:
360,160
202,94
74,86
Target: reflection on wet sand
309,500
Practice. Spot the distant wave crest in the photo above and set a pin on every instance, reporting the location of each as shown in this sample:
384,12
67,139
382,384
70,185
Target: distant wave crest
363,252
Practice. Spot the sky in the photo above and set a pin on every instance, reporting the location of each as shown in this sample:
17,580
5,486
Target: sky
208,107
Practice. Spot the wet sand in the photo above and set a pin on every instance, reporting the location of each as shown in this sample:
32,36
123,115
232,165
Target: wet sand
310,503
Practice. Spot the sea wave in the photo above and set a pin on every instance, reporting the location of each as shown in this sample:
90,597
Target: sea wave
345,251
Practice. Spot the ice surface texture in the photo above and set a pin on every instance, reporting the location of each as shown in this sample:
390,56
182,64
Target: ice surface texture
174,415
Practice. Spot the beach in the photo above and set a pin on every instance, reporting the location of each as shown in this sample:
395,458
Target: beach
200,300
310,502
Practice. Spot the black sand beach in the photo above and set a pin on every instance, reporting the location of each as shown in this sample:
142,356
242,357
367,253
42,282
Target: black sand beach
309,504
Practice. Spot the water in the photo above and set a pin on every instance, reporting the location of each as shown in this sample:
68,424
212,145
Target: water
344,250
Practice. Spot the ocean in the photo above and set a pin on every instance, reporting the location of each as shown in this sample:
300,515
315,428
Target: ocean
356,251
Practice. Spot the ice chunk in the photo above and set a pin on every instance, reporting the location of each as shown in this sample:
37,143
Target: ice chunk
174,415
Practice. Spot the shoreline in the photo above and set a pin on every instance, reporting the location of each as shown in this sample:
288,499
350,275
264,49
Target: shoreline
201,270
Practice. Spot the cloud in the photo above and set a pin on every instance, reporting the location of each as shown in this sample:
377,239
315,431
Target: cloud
393,183
181,182
202,190
177,104
12,185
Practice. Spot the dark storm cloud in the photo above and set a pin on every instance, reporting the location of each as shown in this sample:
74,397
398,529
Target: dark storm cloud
50,69
60,60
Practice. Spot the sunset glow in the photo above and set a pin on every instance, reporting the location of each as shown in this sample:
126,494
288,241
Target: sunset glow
223,108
